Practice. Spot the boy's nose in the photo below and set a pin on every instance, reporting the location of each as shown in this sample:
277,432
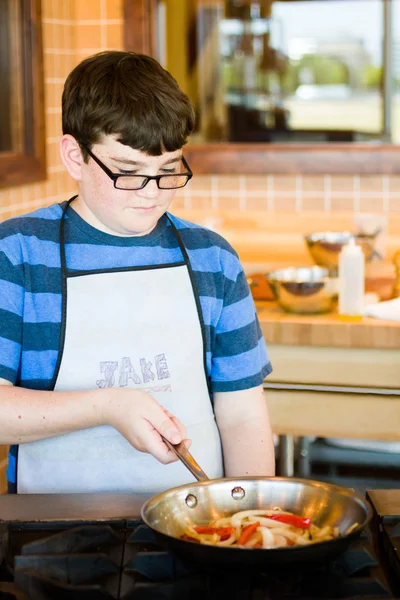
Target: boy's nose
150,190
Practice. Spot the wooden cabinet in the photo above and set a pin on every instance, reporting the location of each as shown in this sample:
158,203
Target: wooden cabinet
334,392
3,468
330,378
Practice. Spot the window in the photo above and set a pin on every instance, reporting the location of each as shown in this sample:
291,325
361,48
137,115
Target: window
22,138
293,71
204,61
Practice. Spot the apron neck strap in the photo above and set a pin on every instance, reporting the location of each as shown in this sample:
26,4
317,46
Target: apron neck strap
62,237
179,240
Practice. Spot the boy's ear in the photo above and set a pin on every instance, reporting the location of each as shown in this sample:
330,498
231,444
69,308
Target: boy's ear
71,156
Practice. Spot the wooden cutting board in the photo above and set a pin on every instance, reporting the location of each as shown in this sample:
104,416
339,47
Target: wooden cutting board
280,327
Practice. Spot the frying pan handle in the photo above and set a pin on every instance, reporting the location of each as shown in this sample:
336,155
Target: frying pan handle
184,455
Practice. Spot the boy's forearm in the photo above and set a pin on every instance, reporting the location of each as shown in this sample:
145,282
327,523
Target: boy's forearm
248,450
30,415
246,435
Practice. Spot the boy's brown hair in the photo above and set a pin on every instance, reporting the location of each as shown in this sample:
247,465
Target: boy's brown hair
129,95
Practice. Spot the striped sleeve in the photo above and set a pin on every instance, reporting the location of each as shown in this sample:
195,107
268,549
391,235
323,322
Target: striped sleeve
239,359
11,311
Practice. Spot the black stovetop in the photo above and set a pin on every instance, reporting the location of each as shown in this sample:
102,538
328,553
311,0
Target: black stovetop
121,560
82,555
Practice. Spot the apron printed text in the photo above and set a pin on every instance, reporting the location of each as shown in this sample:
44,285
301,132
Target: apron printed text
122,373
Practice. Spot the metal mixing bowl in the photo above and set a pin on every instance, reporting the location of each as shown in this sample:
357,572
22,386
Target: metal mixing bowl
325,246
304,290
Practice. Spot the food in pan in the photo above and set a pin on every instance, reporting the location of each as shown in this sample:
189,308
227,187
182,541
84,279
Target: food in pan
266,528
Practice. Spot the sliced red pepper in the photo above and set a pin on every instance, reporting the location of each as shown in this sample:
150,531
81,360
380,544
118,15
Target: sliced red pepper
247,533
223,532
299,522
205,529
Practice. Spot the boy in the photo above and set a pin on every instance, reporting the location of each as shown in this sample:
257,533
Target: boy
120,323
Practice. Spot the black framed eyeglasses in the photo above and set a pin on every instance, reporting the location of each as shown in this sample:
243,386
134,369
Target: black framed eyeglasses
124,181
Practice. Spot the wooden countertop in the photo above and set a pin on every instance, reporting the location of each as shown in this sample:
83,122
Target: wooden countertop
330,329
385,502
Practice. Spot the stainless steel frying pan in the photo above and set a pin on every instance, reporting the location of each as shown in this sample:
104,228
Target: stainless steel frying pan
168,513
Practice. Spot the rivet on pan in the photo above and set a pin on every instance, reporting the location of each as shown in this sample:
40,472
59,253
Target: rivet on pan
191,501
238,493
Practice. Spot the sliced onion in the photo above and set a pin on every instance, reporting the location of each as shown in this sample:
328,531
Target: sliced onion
238,517
322,533
352,528
231,540
297,539
269,522
223,522
267,537
280,541
252,541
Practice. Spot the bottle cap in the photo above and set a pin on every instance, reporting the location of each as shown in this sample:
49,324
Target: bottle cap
352,247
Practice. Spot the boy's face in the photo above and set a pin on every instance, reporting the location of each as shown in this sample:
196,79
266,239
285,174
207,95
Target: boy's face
124,212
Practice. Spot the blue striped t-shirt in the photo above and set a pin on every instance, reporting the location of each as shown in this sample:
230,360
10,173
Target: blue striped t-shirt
30,293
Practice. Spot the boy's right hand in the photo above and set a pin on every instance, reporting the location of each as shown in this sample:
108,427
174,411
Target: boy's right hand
142,421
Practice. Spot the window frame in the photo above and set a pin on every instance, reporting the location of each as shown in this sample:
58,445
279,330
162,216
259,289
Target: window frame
29,165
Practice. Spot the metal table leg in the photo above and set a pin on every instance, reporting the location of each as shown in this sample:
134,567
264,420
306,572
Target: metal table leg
304,466
286,455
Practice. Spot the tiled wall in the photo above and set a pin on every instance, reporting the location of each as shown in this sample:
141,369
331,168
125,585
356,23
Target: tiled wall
71,30
319,193
74,29
98,25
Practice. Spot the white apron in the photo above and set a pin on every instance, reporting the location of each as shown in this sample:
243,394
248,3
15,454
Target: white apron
140,328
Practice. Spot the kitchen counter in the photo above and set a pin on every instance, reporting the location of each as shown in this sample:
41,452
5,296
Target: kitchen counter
385,502
46,508
280,327
70,507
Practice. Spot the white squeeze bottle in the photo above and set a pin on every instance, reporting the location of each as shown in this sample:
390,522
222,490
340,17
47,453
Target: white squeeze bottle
351,280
